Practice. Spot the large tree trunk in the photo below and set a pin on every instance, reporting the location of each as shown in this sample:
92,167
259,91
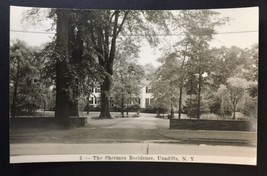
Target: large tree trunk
62,95
73,108
105,89
76,49
107,58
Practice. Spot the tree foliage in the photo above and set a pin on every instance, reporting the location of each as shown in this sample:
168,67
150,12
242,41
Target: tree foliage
101,46
27,89
127,76
236,89
165,84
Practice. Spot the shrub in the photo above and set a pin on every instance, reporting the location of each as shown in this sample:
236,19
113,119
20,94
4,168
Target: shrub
152,109
215,105
91,108
87,107
149,109
135,107
250,108
191,107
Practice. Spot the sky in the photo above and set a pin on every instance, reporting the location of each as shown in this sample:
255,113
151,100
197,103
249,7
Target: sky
241,31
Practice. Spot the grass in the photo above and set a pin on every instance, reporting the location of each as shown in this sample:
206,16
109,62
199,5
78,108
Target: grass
212,116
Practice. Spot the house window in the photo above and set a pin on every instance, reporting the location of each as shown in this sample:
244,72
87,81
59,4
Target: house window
147,102
148,90
91,101
98,100
91,90
97,90
151,100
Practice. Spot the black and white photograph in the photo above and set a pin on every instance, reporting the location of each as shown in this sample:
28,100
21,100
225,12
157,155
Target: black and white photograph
102,85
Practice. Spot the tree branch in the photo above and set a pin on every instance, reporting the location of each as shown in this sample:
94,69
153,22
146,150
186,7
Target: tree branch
123,21
111,17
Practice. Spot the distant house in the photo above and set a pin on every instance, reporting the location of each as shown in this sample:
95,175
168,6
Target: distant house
95,96
145,97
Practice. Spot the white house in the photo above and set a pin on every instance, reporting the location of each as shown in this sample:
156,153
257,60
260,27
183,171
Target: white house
95,96
145,97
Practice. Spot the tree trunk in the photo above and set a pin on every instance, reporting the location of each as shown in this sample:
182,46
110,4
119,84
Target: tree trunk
106,59
62,95
105,89
122,105
190,106
73,108
198,98
234,117
180,102
181,84
122,98
14,101
87,110
76,50
172,113
127,113
199,90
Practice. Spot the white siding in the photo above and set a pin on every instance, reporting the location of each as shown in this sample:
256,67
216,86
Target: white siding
143,95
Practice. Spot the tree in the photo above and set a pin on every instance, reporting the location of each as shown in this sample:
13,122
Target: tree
103,29
251,71
225,62
126,86
62,60
198,26
182,78
27,91
181,54
68,60
164,85
127,75
133,85
192,50
150,71
253,65
83,68
236,89
106,28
